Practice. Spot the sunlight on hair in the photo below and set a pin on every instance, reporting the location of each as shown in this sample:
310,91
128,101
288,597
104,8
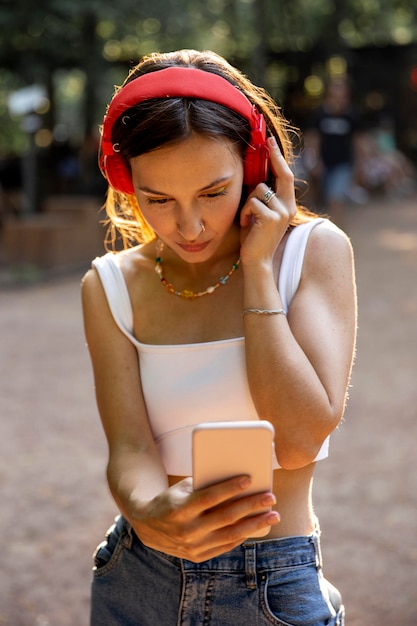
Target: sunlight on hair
126,222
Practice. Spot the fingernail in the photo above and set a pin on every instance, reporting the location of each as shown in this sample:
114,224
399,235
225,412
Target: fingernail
245,482
269,500
273,518
273,142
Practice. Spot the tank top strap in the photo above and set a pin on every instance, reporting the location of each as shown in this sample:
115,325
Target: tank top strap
292,260
116,291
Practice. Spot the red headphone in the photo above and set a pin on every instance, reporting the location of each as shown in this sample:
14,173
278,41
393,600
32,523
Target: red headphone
186,82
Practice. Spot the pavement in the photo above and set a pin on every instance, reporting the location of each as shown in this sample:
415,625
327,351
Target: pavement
55,503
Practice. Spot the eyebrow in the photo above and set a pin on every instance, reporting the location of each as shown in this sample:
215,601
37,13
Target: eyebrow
214,183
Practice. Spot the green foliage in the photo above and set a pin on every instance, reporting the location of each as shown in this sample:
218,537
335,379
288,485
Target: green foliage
12,138
57,33
103,38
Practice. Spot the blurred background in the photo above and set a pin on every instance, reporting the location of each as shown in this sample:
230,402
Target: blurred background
59,61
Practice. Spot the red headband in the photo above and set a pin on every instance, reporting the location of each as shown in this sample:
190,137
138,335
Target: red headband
183,82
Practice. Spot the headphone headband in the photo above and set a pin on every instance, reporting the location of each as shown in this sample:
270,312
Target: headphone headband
181,82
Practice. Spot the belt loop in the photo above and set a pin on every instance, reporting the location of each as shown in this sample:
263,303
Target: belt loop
250,565
127,536
315,538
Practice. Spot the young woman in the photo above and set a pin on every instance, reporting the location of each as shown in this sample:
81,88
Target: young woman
228,302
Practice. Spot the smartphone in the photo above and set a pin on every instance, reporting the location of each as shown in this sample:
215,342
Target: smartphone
222,450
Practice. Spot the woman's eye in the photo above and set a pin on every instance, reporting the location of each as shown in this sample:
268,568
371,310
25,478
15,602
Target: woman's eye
215,194
210,194
156,200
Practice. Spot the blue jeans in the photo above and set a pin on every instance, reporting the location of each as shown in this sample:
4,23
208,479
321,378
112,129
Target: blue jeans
336,182
259,583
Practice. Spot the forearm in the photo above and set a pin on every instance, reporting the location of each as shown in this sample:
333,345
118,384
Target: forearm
135,477
285,387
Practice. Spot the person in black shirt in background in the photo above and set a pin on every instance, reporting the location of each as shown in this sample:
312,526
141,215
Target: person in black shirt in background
330,148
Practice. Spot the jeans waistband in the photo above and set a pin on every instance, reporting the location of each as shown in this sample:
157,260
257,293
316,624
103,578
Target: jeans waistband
252,558
265,555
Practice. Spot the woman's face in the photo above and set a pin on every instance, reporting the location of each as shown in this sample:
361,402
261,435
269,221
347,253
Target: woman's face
181,187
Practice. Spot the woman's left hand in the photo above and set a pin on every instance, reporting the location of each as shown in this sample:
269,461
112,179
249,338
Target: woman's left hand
263,225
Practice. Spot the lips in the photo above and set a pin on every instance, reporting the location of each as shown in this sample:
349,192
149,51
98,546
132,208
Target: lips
194,247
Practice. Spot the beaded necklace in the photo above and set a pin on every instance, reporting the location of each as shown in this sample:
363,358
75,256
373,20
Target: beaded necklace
188,294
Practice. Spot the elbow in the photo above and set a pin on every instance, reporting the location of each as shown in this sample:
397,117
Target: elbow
301,446
298,454
296,459
113,478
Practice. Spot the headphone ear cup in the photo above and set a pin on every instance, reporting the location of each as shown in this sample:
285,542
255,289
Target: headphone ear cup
257,153
118,174
256,165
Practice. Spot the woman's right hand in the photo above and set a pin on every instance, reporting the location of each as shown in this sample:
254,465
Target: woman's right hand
204,524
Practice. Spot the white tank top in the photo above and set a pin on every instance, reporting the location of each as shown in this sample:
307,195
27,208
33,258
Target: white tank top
186,384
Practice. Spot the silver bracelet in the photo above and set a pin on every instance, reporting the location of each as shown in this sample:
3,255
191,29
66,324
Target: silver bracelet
264,311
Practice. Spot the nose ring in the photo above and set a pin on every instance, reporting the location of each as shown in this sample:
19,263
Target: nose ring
202,227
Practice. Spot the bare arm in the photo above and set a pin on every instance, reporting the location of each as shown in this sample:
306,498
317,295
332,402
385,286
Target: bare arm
299,367
134,464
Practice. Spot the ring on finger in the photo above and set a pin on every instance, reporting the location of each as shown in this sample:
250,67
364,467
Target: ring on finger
267,197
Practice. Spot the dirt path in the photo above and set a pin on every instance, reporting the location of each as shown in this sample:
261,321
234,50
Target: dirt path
54,502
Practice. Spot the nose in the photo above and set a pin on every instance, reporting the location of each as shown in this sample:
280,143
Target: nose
190,227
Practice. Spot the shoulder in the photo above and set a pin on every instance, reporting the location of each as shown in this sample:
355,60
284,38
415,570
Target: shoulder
103,271
326,233
128,261
137,266
93,298
137,259
89,282
328,281
329,251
